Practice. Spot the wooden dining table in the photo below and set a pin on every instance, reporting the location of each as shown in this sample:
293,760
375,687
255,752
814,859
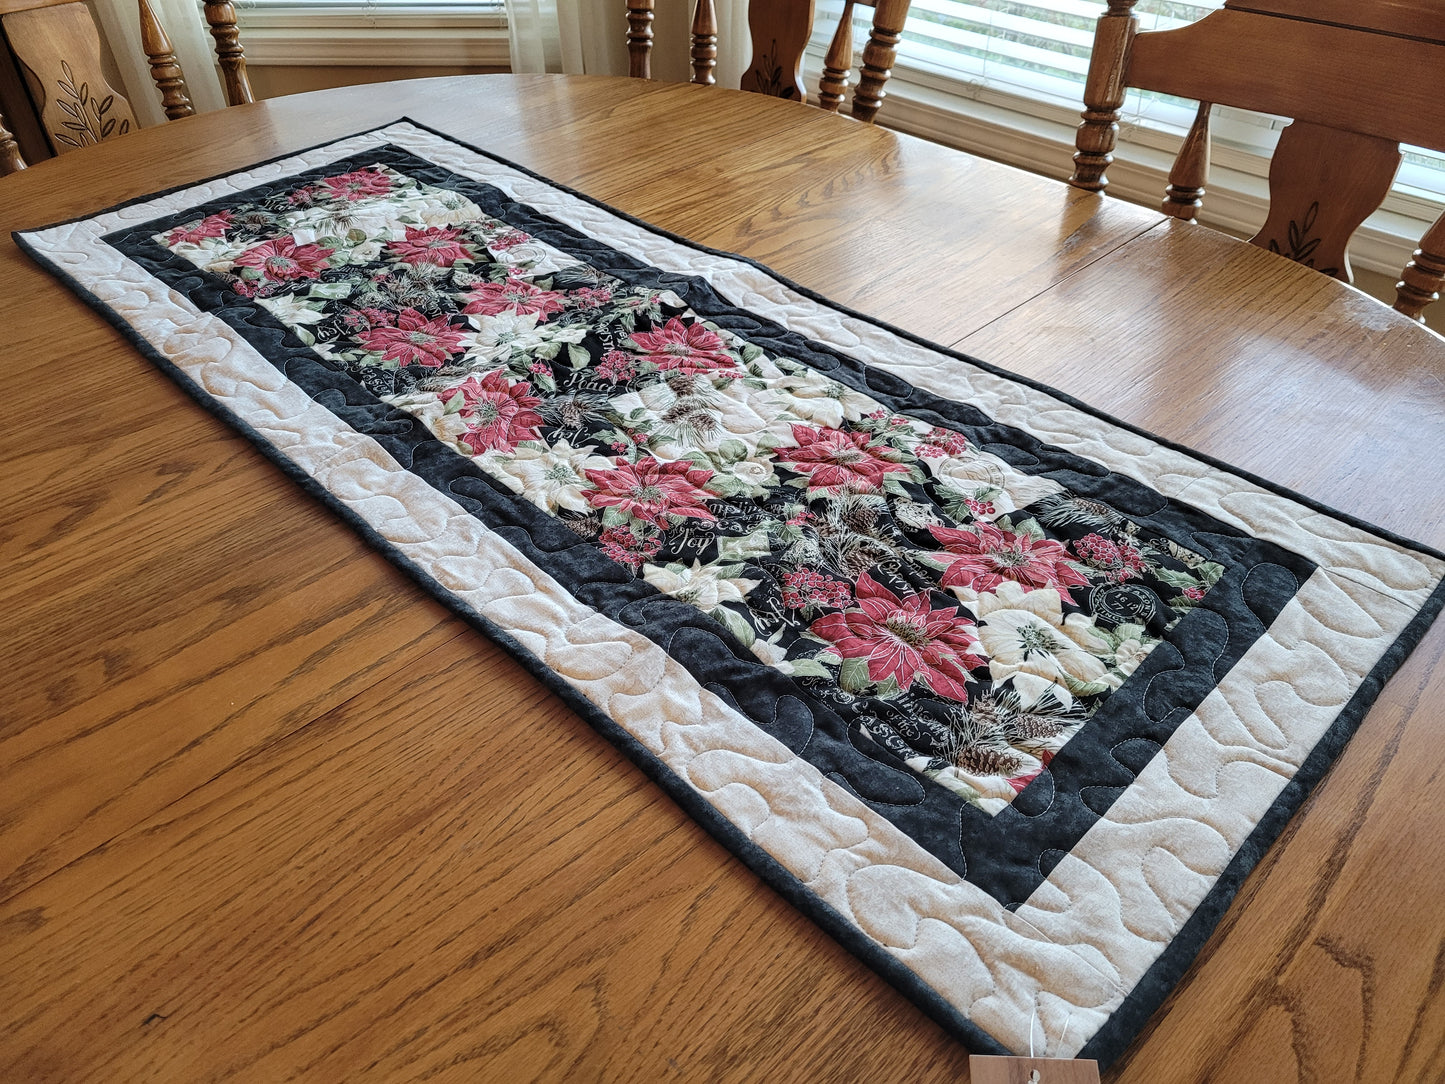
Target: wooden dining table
261,816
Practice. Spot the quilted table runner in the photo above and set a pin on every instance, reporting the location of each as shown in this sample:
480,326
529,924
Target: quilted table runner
1007,696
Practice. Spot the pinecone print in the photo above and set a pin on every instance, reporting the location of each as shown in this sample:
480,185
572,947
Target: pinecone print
860,517
589,526
1027,726
988,715
983,761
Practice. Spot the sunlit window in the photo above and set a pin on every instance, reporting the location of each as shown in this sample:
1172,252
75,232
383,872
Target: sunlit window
1038,51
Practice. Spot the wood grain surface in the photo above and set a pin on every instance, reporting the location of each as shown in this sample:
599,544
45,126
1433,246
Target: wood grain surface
269,813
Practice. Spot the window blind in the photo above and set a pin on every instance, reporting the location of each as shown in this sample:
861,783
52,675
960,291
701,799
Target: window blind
1040,47
366,7
1039,51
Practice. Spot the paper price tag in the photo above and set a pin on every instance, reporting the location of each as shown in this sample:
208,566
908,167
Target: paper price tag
997,1070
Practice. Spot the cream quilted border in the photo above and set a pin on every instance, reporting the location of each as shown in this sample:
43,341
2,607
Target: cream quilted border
1087,935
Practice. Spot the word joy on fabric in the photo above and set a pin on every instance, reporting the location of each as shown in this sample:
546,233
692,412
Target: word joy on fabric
971,648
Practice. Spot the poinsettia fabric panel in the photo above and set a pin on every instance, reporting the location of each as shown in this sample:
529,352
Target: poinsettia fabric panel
737,413
980,621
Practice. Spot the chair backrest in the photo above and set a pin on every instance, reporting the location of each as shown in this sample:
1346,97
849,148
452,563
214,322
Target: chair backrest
1358,79
56,47
780,30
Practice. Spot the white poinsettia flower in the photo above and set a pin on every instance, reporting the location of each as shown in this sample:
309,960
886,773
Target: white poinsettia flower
764,368
687,413
366,251
662,396
749,412
968,471
1027,637
972,471
1130,653
753,472
770,651
534,258
814,398
992,789
440,207
497,337
371,217
292,309
701,585
552,477
1023,490
213,254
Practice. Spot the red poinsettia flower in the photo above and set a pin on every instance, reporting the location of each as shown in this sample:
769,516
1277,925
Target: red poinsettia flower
282,259
414,340
515,295
984,556
499,413
358,185
211,226
905,639
434,244
839,460
651,490
690,348
589,297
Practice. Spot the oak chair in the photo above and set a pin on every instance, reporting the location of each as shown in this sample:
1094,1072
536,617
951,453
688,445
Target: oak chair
780,30
56,47
1358,79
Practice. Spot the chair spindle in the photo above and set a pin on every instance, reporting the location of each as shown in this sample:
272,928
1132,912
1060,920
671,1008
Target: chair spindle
221,16
639,38
780,30
1190,173
878,57
10,160
1424,276
704,43
1103,95
165,69
838,64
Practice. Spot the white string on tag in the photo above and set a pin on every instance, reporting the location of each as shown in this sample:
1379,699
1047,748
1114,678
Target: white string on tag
1063,1034
1041,1069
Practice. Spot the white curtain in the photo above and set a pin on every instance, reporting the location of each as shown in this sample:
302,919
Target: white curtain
589,37
119,22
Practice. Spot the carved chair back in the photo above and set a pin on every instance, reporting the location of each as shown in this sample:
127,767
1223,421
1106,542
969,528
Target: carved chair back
1358,79
780,30
56,50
